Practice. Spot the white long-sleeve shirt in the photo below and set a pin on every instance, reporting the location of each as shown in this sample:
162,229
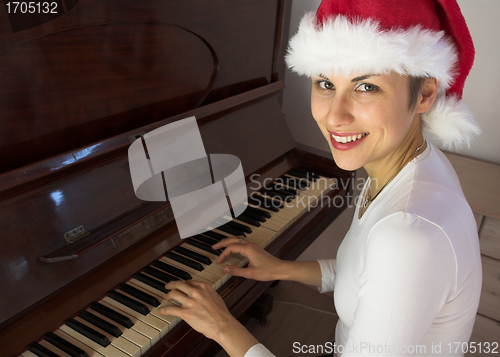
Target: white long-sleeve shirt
407,278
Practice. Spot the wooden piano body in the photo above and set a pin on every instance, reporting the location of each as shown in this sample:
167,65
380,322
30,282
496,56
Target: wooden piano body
75,91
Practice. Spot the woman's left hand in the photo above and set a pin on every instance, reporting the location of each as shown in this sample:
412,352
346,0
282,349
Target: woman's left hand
205,311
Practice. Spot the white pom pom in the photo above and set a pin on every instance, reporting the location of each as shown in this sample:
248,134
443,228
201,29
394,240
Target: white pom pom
450,124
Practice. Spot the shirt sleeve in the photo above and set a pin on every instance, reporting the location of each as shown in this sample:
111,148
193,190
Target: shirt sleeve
409,273
258,350
328,268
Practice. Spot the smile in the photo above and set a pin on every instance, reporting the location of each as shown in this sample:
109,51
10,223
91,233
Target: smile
348,139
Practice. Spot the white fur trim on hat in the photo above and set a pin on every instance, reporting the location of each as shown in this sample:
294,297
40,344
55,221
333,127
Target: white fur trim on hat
449,123
341,46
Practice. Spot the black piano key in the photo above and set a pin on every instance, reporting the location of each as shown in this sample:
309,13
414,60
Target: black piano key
306,172
204,239
193,255
281,188
65,346
129,302
41,351
238,226
112,314
302,184
293,182
231,230
214,235
305,176
250,220
172,270
259,211
188,262
88,332
157,284
269,201
102,324
160,274
206,247
279,195
251,216
139,294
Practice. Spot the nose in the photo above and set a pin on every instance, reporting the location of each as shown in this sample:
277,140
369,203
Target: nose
339,112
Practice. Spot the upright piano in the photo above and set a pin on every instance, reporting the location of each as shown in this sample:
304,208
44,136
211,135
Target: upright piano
77,87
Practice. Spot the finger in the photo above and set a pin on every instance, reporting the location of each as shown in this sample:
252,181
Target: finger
171,310
237,271
227,241
199,284
178,296
242,249
180,285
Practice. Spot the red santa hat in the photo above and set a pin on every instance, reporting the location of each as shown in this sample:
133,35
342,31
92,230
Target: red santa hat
421,38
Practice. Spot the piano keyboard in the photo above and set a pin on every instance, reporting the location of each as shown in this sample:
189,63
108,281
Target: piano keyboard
127,322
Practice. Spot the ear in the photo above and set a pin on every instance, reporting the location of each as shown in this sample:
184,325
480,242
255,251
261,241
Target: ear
427,95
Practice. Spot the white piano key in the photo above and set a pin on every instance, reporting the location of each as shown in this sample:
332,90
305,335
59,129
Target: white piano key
119,342
216,272
109,350
27,354
147,288
91,352
212,257
149,319
154,311
141,327
128,333
209,278
161,298
53,348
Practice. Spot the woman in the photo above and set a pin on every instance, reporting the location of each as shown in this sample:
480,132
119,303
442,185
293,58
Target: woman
407,277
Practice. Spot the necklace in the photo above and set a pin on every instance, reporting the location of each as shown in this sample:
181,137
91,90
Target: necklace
368,199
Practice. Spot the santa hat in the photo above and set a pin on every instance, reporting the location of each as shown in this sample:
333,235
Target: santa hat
421,38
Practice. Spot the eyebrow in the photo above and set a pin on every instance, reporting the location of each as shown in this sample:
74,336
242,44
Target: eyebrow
356,79
362,78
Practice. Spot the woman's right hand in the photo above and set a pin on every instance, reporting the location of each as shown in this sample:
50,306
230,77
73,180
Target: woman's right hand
262,266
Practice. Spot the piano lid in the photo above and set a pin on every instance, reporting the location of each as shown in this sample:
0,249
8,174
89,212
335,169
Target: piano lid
107,67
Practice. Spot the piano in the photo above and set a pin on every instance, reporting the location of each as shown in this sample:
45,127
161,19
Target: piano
81,254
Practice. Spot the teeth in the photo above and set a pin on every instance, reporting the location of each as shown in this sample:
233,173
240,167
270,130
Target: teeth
348,139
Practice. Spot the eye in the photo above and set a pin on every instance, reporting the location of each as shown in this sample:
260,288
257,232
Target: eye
366,87
326,84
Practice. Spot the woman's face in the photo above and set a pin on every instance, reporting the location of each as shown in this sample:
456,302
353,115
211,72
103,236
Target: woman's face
365,118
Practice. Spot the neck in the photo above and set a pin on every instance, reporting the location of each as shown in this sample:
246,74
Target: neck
383,170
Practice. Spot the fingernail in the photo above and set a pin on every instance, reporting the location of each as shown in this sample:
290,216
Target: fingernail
226,269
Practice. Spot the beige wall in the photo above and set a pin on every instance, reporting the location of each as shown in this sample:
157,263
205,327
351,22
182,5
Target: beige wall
481,93
480,89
